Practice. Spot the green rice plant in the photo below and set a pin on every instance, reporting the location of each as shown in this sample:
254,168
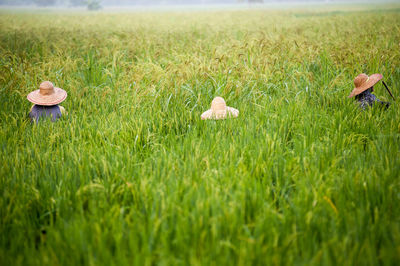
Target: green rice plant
132,175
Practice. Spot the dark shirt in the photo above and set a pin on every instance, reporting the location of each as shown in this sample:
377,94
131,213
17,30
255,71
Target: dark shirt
366,99
39,111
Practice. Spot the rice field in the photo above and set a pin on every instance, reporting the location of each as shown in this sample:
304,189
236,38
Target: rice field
133,176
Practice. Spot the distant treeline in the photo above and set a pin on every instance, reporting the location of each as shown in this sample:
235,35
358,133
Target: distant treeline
142,2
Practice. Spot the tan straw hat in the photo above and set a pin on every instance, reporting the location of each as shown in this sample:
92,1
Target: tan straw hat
363,83
47,94
219,110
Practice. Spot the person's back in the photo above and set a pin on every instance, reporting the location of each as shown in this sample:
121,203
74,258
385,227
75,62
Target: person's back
41,112
366,99
364,86
46,101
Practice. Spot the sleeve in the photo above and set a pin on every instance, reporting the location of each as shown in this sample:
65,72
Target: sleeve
376,99
206,115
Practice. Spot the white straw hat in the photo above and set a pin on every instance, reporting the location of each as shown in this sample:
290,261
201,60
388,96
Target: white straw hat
47,94
219,110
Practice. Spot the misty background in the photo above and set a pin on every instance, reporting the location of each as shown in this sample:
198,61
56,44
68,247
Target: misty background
77,3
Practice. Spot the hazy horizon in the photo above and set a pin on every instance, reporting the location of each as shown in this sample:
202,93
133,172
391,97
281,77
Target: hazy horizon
70,3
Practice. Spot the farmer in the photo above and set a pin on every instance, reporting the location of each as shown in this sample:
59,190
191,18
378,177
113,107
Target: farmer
46,100
364,86
219,110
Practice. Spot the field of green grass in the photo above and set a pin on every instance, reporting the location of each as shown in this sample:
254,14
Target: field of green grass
133,176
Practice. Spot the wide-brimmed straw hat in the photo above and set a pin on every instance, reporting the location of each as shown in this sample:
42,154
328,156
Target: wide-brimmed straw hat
219,110
47,94
362,83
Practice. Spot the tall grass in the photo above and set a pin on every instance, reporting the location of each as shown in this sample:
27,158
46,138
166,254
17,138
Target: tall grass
133,176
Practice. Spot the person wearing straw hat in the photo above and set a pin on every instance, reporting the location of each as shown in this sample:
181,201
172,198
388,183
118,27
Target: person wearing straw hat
219,110
364,86
46,100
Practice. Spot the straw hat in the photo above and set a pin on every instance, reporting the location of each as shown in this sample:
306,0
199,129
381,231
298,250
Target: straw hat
219,110
363,83
47,94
